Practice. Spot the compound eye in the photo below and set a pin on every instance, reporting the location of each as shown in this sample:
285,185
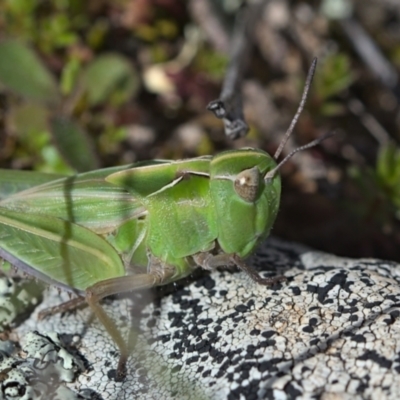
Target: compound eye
247,183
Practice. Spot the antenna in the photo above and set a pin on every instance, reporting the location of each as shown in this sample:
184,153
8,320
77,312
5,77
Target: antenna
269,175
307,85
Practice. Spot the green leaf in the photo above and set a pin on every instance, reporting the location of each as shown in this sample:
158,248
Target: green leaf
23,72
388,165
388,172
52,161
335,77
69,75
331,109
110,74
30,123
74,144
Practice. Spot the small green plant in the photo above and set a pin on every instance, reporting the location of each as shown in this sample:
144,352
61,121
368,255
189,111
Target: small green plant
379,187
388,174
335,77
42,110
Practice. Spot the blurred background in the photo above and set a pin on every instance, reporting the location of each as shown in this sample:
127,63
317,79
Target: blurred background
96,83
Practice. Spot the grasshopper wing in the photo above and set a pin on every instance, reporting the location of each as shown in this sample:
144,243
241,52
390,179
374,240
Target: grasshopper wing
12,182
85,199
56,251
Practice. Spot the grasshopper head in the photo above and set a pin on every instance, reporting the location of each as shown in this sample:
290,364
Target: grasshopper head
246,204
245,186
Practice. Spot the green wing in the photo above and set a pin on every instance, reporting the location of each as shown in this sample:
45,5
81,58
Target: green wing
12,182
56,251
85,199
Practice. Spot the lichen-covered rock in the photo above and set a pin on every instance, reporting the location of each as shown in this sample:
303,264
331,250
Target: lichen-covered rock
16,297
331,331
37,373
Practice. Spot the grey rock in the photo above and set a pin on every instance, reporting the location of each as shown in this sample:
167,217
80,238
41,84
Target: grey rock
331,331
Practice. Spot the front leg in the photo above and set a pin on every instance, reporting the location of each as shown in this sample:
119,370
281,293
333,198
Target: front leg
210,262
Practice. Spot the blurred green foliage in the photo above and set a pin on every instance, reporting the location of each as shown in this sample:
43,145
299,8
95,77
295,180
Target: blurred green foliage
77,62
388,173
333,78
109,77
212,63
54,81
379,187
22,72
48,25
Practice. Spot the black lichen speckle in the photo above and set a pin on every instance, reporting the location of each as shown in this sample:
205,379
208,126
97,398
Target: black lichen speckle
295,290
373,356
358,339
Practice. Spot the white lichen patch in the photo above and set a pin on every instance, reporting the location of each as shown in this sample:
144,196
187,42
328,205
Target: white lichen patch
17,297
38,370
50,356
331,331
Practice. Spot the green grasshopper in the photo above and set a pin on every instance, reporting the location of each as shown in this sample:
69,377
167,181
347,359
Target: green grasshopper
89,234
